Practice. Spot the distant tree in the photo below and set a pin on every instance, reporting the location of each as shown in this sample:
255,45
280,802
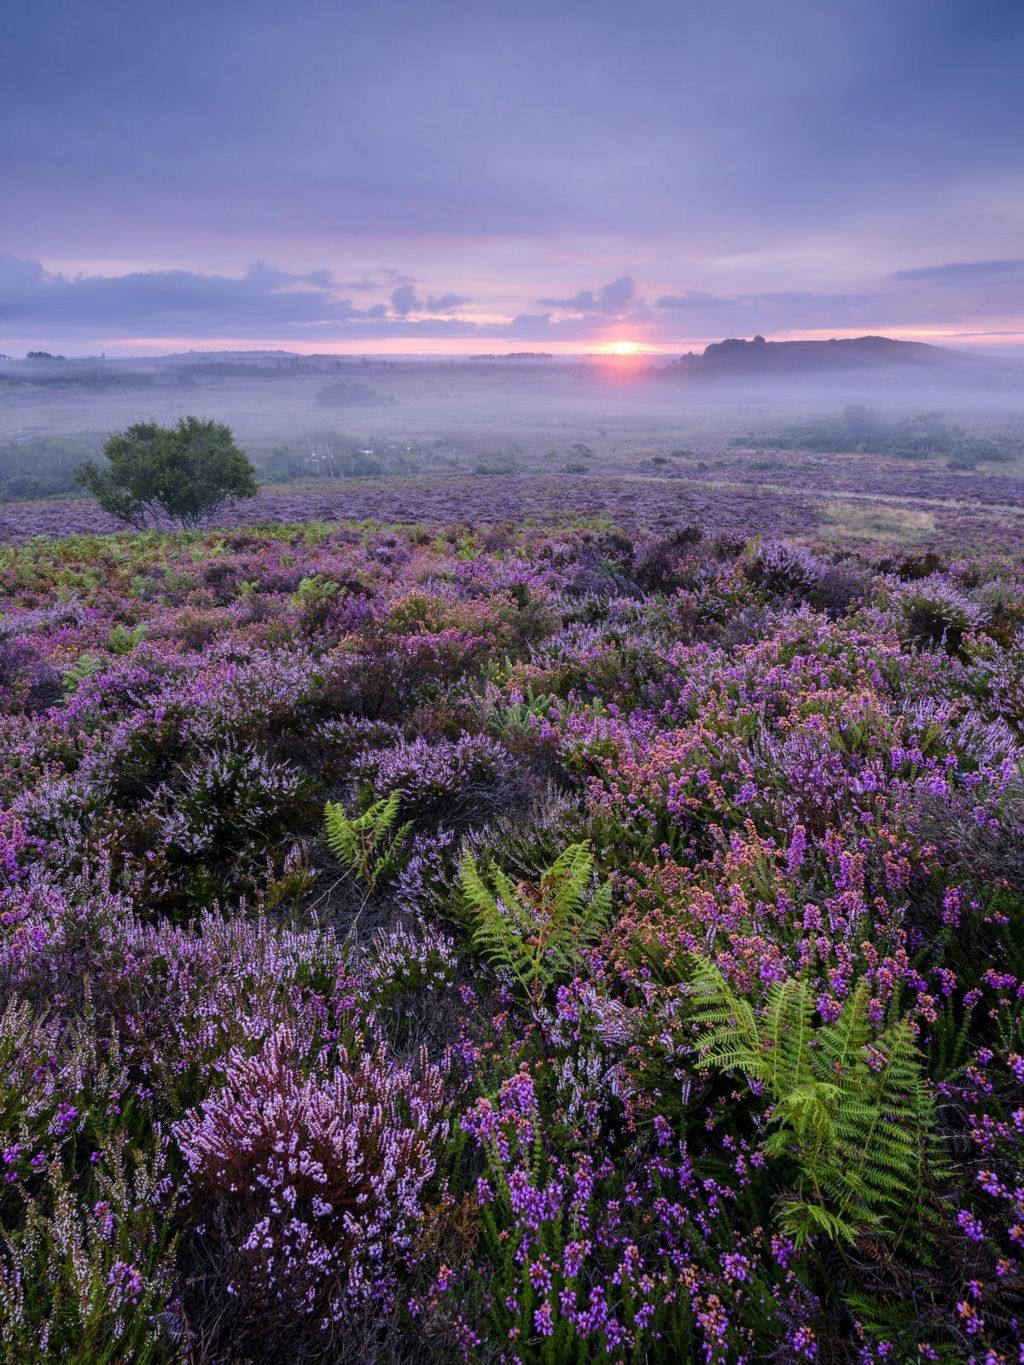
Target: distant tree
863,423
349,393
186,472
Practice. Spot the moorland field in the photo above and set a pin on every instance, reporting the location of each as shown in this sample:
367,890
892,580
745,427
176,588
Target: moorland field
541,882
531,439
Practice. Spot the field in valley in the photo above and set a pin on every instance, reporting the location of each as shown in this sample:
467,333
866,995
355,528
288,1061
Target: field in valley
533,441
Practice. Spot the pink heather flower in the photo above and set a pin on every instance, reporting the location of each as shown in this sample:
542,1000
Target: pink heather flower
952,907
323,1175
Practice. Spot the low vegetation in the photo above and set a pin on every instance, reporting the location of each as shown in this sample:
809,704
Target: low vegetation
467,944
44,466
859,429
348,393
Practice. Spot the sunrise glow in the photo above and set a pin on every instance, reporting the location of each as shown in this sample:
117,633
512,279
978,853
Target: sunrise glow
600,227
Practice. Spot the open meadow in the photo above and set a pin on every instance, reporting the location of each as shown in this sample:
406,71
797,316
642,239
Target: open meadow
527,441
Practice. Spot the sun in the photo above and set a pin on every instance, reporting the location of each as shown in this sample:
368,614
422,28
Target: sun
622,347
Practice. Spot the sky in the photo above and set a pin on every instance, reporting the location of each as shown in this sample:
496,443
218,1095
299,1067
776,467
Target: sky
472,176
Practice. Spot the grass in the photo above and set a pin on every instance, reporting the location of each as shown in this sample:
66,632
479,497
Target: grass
867,522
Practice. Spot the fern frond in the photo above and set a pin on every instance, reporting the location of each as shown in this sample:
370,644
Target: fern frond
367,844
536,932
851,1112
802,1220
729,1034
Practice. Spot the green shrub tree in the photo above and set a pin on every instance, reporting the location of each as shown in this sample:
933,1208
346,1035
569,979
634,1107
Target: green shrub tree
187,472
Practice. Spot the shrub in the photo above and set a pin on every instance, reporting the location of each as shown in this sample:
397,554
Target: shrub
784,568
408,959
225,812
87,1280
658,561
309,1188
187,472
449,780
706,1126
936,612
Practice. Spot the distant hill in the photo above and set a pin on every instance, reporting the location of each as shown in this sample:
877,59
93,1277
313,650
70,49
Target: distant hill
750,359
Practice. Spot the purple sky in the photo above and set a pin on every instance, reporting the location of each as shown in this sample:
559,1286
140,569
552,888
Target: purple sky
413,175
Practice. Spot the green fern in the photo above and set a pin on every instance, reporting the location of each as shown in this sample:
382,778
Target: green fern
85,666
121,640
369,845
853,1113
536,930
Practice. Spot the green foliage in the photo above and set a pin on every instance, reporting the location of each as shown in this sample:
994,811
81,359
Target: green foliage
345,393
315,596
369,845
498,464
851,1113
186,472
43,466
85,666
535,931
329,454
511,719
932,615
121,640
859,429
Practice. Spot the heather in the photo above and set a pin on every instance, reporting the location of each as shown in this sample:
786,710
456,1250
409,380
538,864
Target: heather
470,942
644,482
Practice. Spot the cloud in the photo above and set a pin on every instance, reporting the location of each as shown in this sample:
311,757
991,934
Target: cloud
19,276
363,284
934,297
613,300
531,323
28,292
325,133
779,311
962,271
404,300
300,131
690,300
54,310
263,301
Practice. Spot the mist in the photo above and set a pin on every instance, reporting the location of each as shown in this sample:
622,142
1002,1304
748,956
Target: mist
746,434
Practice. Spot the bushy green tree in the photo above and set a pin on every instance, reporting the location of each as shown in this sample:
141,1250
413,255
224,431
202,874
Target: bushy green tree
186,472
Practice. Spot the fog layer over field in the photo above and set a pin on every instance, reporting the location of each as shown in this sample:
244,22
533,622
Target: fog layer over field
743,431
